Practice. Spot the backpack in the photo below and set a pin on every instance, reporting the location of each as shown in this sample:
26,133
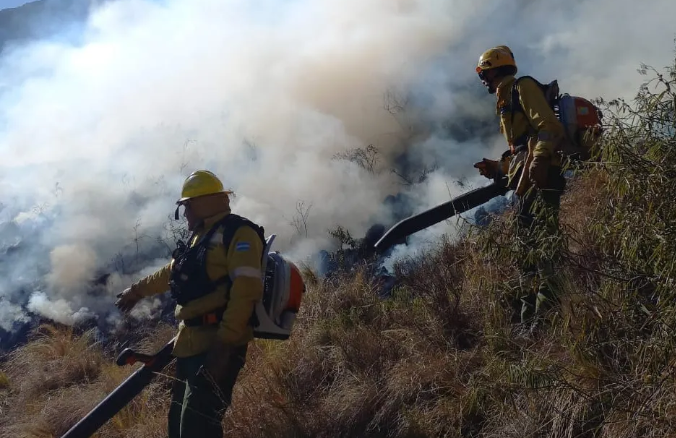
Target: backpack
580,118
283,285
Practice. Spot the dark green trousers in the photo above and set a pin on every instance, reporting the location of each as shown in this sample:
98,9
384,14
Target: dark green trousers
538,228
197,405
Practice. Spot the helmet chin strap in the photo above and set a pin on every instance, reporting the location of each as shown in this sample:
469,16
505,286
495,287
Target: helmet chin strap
176,212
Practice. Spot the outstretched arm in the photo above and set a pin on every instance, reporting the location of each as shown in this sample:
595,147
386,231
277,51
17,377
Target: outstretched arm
153,284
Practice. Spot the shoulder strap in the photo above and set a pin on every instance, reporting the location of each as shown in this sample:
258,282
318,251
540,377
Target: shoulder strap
222,222
515,104
231,224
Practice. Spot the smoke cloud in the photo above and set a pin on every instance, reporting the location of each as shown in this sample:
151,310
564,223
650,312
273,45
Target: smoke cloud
98,135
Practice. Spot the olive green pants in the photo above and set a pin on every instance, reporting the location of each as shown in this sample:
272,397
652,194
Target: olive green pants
197,405
538,227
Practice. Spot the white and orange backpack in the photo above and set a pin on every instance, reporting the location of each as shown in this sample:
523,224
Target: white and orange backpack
283,290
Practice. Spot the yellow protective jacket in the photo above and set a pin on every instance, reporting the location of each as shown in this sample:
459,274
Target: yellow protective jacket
537,121
243,265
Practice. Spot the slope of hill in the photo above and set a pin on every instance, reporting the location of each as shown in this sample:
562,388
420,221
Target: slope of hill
41,19
441,357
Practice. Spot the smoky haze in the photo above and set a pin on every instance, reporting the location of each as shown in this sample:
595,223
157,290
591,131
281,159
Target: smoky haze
97,136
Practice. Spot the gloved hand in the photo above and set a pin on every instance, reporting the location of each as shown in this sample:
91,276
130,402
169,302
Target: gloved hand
127,299
488,168
538,170
216,362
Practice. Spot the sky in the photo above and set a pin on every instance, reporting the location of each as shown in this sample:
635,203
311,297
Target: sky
98,135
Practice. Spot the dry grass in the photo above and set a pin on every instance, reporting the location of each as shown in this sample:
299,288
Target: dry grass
57,377
442,357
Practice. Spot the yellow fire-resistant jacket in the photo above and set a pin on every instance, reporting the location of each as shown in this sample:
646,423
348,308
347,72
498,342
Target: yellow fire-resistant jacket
243,264
537,121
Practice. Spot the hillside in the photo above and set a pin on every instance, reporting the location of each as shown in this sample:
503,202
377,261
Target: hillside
40,19
441,357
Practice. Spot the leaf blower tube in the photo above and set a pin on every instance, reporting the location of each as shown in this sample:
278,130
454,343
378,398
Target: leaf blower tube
125,392
427,218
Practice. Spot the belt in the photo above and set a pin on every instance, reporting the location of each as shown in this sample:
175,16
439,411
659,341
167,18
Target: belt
212,318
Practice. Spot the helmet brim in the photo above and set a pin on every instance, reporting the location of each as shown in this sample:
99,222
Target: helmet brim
187,198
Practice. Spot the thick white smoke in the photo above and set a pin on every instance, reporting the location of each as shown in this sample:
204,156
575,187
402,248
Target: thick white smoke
96,138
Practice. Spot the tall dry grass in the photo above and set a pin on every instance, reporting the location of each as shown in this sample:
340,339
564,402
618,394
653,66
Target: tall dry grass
443,356
57,377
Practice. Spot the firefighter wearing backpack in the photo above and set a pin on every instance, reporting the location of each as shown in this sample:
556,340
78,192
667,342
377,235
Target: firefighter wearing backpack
216,289
533,167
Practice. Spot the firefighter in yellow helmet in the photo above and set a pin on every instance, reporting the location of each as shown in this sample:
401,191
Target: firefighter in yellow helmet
216,289
532,165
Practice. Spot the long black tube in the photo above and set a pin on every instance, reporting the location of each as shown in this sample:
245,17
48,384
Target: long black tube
122,395
434,215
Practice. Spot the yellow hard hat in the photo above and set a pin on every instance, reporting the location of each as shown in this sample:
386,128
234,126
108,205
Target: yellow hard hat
496,57
201,183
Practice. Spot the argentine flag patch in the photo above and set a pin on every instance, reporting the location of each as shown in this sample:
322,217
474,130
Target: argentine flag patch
242,246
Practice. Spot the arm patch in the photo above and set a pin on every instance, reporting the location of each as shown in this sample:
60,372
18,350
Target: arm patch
242,246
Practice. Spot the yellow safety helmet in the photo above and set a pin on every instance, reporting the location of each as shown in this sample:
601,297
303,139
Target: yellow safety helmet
499,56
201,183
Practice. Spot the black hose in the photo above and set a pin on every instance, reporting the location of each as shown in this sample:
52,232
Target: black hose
122,395
427,218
